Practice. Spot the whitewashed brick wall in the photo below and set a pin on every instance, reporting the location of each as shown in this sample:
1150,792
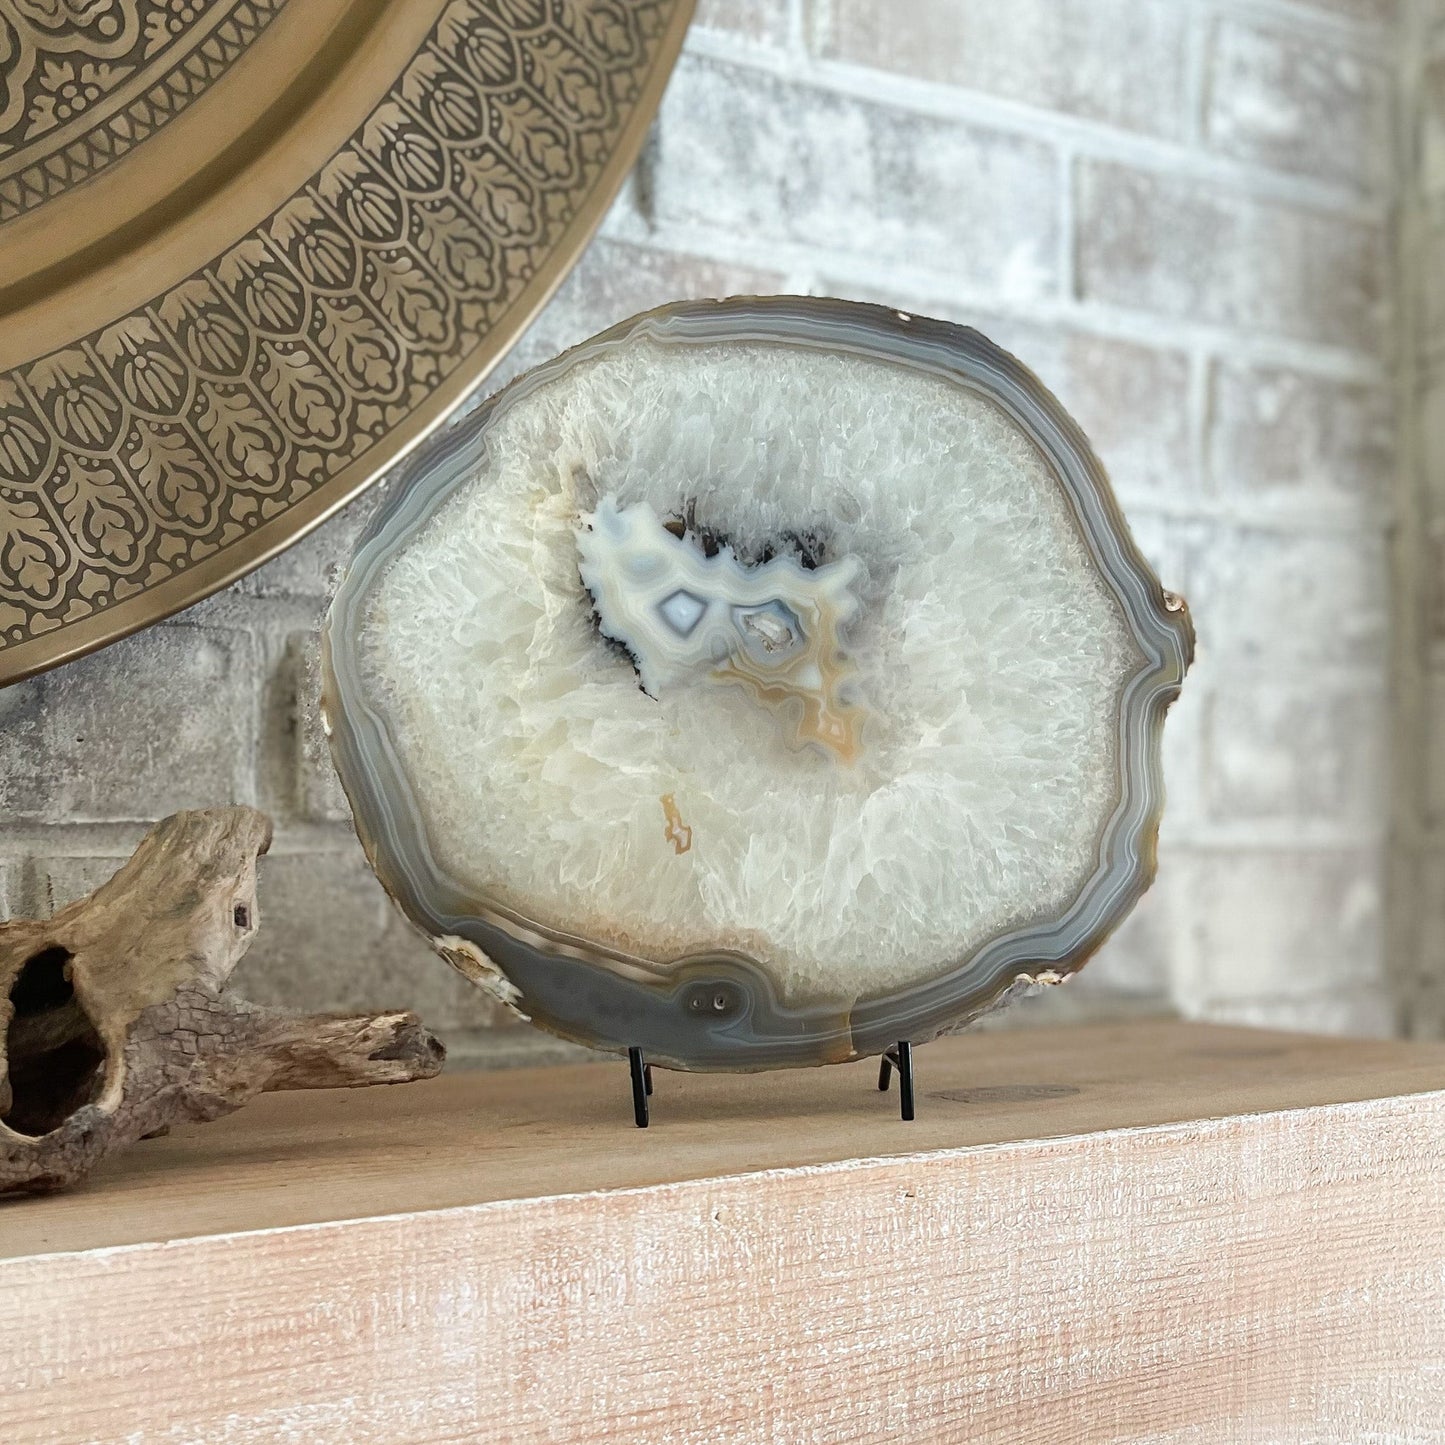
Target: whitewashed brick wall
1180,213
1417,891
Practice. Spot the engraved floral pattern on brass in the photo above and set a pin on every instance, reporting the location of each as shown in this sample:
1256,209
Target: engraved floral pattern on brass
83,81
155,455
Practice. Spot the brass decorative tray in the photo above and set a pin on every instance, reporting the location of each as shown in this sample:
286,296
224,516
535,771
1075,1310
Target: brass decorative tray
251,251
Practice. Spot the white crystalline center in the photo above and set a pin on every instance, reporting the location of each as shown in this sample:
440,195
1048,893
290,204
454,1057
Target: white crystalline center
773,628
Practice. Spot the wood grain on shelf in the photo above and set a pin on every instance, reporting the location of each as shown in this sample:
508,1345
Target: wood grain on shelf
1158,1231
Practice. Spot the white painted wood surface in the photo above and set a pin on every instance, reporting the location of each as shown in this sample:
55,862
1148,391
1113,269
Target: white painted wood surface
1149,1233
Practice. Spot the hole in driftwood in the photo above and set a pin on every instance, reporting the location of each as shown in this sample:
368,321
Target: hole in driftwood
56,1058
241,916
43,984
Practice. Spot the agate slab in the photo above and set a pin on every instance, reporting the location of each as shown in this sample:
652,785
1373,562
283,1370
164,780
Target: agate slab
759,683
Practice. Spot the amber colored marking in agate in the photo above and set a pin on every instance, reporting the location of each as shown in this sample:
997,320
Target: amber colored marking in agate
826,719
676,832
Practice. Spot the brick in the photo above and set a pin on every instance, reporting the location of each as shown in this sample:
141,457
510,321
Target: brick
1184,759
1432,603
1277,436
1167,545
1379,12
1434,738
1081,999
744,153
161,721
313,566
1427,332
511,1048
1365,1013
1298,102
1144,955
1131,400
1430,425
761,20
1274,924
1431,175
311,787
330,941
1418,914
1287,601
1287,752
1423,1013
615,280
1183,249
1430,435
1121,62
66,879
24,758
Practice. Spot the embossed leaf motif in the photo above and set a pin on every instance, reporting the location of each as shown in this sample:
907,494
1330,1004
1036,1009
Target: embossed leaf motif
455,246
17,60
601,24
496,194
157,32
69,14
454,110
530,133
23,446
371,207
407,297
68,90
415,158
213,338
358,347
146,368
566,79
326,256
487,53
270,295
81,408
301,392
101,514
238,433
522,14
175,480
450,103
30,552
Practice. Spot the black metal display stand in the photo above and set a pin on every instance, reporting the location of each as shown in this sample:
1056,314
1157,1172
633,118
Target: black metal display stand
899,1057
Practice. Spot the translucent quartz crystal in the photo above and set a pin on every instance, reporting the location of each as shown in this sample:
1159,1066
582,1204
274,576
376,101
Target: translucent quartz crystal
758,683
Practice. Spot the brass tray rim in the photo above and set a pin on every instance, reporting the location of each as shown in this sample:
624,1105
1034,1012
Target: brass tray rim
72,641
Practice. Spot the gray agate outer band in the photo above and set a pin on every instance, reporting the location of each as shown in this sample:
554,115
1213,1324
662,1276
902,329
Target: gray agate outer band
719,1010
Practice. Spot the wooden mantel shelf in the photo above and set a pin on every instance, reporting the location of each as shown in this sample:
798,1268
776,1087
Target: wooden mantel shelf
1154,1231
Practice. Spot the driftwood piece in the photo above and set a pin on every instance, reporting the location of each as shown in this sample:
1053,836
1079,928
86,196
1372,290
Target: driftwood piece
115,1022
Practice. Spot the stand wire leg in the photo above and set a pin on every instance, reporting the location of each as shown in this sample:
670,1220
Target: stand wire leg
641,1086
905,1078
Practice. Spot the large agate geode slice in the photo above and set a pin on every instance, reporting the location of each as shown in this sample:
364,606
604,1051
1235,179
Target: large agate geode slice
758,683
